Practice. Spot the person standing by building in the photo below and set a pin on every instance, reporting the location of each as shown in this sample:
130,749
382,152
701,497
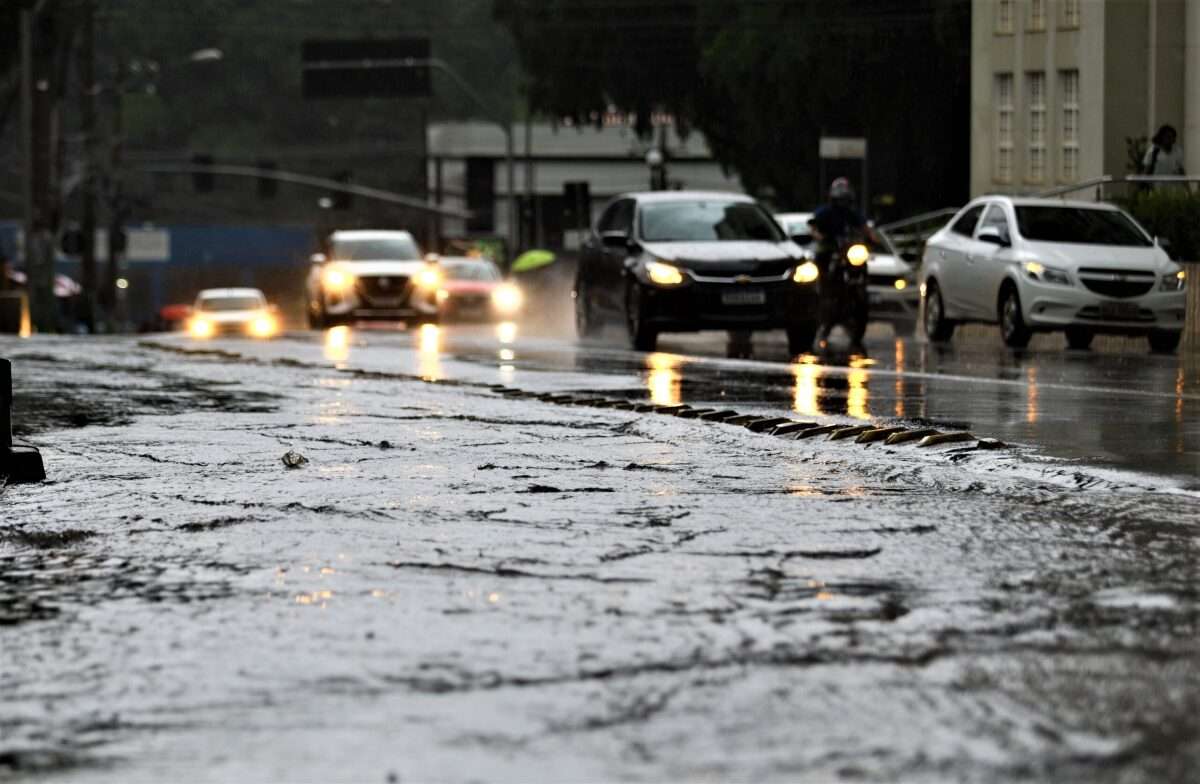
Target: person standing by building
1165,156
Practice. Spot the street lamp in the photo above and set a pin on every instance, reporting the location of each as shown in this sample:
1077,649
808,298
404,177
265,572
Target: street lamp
209,55
499,119
124,79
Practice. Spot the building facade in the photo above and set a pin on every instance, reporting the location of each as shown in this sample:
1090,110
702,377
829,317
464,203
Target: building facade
1058,87
467,170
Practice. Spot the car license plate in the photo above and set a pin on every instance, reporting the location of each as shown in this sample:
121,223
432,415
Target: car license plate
1119,311
744,297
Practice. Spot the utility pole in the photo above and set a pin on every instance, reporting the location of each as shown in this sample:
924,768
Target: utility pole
116,201
87,78
37,104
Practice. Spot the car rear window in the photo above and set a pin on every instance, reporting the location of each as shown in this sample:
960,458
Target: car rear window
707,221
1080,225
218,304
376,249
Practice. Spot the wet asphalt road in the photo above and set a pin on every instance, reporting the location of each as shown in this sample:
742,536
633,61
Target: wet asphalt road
458,586
1115,405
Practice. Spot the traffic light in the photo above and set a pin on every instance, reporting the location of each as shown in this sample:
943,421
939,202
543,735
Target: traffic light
202,181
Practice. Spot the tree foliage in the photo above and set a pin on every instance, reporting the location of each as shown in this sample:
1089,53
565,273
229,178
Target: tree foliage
764,79
249,102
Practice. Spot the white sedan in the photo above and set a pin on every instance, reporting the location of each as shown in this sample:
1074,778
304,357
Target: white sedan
232,312
1041,265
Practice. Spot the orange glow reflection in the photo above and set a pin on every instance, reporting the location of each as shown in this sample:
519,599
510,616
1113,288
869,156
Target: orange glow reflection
899,388
1179,396
429,357
664,380
1031,396
856,398
805,398
337,343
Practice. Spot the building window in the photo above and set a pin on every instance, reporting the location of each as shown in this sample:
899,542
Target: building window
1070,124
1004,16
1070,13
1037,15
1004,127
1036,92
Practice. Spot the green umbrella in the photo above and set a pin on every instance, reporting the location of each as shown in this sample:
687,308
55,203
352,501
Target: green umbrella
533,259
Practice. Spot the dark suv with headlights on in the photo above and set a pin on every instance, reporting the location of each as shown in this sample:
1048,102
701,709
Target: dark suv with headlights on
364,275
683,261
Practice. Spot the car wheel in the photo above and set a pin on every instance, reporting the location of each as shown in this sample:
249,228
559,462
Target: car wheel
800,337
317,319
1079,338
1163,341
641,336
904,329
938,328
1012,321
585,322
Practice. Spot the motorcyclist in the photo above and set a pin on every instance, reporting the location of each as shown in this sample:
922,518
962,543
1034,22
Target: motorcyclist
831,225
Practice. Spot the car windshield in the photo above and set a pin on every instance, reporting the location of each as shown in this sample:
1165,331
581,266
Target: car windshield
473,270
376,249
707,221
799,231
1079,225
219,304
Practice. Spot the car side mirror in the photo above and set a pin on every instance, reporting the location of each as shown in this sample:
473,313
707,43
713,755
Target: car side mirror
617,240
994,236
802,239
1163,243
317,258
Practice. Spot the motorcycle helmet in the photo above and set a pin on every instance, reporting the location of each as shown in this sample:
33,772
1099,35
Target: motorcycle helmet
840,191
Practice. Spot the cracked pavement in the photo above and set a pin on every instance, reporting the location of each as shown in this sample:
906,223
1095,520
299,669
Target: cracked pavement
458,586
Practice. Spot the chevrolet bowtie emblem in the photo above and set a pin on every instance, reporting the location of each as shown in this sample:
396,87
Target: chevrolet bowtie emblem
742,279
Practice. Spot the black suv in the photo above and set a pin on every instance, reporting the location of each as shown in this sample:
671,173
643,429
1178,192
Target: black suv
683,261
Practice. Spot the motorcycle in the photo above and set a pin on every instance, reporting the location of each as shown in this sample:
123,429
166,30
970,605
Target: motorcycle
844,291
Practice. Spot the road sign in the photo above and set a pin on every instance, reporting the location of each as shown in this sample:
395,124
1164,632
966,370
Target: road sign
843,147
366,68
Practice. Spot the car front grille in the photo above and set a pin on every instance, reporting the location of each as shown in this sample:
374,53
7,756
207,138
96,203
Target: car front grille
882,280
469,300
730,272
1117,283
383,289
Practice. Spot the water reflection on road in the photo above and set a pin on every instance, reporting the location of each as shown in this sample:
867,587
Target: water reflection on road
1127,408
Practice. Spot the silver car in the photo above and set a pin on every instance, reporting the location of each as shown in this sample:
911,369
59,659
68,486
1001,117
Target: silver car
372,275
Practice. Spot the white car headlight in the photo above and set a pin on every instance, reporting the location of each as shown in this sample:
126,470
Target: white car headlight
507,298
1175,281
337,280
1043,274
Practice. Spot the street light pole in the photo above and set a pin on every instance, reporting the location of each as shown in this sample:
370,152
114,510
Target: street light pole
506,125
505,121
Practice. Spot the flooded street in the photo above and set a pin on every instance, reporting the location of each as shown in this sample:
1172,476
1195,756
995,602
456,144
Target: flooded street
460,584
